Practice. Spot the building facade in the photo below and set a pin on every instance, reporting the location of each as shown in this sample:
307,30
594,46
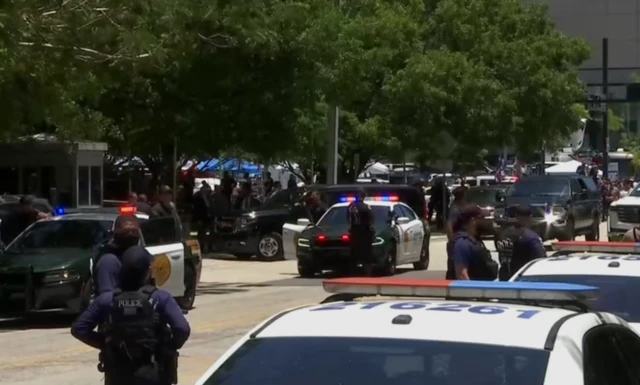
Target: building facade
619,21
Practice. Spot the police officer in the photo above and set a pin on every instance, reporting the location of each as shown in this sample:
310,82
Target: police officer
18,220
459,201
165,206
517,244
471,258
106,263
142,327
360,218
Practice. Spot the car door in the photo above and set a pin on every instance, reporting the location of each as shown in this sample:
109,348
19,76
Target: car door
577,204
416,231
163,241
404,241
290,234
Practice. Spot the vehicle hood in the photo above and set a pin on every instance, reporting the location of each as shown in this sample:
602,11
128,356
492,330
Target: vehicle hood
627,201
330,232
635,326
535,201
43,260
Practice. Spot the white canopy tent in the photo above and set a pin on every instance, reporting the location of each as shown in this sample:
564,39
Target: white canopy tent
570,167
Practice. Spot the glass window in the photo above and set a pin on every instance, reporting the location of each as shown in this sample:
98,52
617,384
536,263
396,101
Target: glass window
407,212
482,196
617,294
532,187
83,186
96,186
591,185
397,212
378,361
160,231
283,198
337,216
73,234
604,360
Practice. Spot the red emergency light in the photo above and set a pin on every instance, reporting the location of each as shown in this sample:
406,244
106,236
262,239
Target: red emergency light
596,247
128,210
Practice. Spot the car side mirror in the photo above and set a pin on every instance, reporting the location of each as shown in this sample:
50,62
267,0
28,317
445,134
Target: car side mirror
403,220
303,222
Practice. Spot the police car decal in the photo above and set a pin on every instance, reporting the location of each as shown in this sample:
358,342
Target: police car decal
602,258
447,307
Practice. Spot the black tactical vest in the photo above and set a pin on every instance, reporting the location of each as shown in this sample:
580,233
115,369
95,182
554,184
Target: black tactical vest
132,332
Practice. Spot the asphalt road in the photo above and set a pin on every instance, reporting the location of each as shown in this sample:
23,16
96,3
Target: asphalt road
233,297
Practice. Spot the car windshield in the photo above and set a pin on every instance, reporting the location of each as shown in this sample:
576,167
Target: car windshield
337,217
617,294
635,192
540,187
378,361
482,197
77,234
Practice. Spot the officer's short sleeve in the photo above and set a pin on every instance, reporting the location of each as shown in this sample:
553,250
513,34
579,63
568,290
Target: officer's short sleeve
462,253
537,245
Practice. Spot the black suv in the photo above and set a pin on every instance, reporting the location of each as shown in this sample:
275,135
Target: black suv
259,231
563,206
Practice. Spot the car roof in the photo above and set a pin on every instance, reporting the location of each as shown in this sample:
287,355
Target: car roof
586,264
356,320
366,186
95,216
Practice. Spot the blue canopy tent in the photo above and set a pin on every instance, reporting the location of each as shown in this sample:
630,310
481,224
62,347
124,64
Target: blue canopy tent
233,165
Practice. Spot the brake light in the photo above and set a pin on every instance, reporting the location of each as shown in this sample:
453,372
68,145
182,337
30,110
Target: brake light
321,238
128,210
345,238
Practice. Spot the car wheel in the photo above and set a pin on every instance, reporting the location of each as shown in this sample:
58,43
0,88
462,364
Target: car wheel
243,256
306,271
389,268
569,232
594,231
270,247
190,283
423,264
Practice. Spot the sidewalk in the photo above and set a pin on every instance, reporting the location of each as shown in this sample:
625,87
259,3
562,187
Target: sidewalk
232,270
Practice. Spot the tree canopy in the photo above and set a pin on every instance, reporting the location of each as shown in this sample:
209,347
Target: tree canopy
259,76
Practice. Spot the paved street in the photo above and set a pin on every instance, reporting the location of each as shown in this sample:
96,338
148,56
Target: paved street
233,297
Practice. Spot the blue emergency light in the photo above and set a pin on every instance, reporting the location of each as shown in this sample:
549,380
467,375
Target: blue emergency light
59,210
481,290
384,198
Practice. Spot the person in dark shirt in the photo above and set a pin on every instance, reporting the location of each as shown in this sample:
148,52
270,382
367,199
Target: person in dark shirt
292,183
471,258
517,244
459,201
142,205
201,215
314,207
244,199
360,219
267,184
108,312
227,184
106,264
21,218
165,206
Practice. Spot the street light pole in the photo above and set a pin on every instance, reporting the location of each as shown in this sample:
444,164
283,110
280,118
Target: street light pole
605,117
333,124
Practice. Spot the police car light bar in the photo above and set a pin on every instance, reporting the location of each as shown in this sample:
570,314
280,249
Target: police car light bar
385,198
597,247
128,210
59,210
532,291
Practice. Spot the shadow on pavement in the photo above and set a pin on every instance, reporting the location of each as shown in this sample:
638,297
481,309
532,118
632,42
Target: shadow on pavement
220,288
48,320
229,257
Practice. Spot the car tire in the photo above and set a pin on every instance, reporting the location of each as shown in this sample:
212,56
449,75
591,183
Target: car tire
307,271
389,268
243,256
270,247
569,233
423,263
594,231
190,285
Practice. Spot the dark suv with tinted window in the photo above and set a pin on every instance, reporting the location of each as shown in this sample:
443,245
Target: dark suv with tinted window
563,206
259,231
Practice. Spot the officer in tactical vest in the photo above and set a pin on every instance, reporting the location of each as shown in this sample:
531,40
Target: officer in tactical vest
142,327
517,244
106,262
471,258
360,218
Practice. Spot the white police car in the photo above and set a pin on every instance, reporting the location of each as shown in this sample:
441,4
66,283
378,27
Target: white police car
613,267
431,341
